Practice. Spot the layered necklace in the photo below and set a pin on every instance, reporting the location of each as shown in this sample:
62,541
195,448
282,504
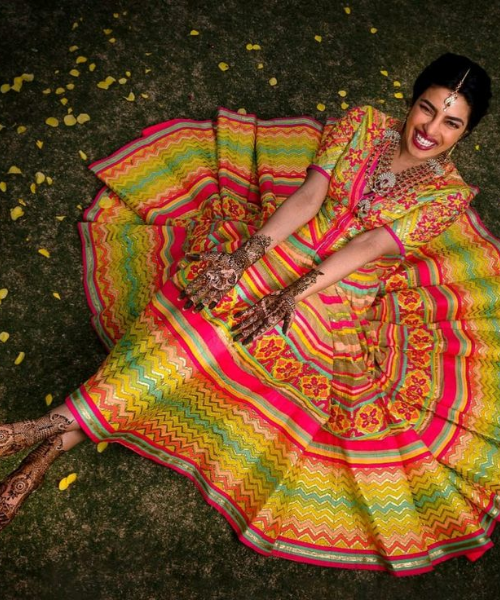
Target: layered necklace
384,182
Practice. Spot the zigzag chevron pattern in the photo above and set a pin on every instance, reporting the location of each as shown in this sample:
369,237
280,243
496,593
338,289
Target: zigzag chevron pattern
366,438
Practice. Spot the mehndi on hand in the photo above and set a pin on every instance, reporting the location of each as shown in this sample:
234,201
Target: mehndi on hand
271,309
222,272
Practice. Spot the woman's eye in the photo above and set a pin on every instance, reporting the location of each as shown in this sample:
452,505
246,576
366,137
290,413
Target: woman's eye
425,109
453,124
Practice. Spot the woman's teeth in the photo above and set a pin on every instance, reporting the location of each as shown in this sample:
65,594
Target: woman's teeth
423,141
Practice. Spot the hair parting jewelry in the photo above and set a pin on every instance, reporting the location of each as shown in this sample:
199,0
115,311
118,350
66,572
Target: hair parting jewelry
452,98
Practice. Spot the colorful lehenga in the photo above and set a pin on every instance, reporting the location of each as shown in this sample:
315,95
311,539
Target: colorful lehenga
368,437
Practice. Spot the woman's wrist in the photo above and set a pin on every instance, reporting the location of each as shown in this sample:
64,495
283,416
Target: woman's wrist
300,289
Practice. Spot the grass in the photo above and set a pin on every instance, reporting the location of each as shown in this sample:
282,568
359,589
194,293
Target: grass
129,528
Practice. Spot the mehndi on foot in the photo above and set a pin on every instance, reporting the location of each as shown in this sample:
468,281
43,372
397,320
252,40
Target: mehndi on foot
17,436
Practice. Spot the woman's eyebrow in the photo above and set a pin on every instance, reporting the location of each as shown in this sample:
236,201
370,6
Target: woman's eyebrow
429,103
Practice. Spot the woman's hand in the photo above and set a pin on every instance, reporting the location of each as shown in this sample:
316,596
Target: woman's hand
222,272
273,308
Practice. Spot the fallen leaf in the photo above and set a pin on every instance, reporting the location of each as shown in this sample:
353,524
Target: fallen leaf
194,32
69,120
39,177
44,252
373,30
223,66
3,186
52,121
82,154
16,213
273,81
4,336
344,106
396,83
384,73
398,95
82,118
130,97
21,129
320,106
101,446
61,217
14,171
75,72
81,59
20,358
73,48
39,143
318,38
48,399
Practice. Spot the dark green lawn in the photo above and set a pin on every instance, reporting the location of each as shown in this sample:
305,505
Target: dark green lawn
129,528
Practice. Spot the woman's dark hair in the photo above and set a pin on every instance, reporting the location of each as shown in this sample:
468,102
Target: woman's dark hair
447,71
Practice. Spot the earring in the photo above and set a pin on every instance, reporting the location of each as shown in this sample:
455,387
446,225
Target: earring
448,154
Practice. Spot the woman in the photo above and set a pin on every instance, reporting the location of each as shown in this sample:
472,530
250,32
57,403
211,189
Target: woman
361,431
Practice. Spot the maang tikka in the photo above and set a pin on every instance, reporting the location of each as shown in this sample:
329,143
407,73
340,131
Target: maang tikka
452,98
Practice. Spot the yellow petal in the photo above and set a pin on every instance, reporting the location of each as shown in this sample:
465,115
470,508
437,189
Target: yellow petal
92,67
122,80
4,292
63,484
342,93
20,358
344,106
73,48
101,446
147,70
112,40
3,186
256,47
347,10
72,477
17,85
128,73
63,101
82,154
46,91
384,73
107,31
116,15
320,106
249,46
103,85
48,399
145,95
396,83
81,59
4,88
130,97
39,177
21,201
223,66
33,188
60,90
44,252
52,121
39,143
16,213
242,111
70,86
82,118
110,79
75,25
194,32
79,207
4,336
56,295
61,217
273,81
69,120
75,72
318,38
148,53
14,170
477,147
373,30
398,95
27,76
21,129
49,180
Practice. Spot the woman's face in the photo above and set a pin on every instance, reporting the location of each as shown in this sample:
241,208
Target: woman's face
430,131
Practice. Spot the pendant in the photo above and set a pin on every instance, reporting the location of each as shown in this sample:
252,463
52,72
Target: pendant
385,181
363,207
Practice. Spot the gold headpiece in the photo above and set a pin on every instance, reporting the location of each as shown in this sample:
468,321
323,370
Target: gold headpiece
452,98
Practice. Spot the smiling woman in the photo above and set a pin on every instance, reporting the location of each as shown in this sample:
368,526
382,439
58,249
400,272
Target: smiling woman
290,325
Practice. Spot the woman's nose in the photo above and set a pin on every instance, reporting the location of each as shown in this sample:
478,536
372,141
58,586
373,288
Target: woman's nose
431,127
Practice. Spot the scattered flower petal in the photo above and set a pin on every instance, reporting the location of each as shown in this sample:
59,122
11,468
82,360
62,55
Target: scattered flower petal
398,95
72,477
82,118
14,170
122,80
4,336
27,77
107,31
318,38
194,32
223,66
260,66
21,129
44,252
49,180
477,147
342,93
92,67
320,106
4,292
39,177
112,40
347,10
82,154
46,91
4,88
256,47
396,83
52,121
101,446
75,25
3,186
384,73
128,73
33,188
242,111
145,95
79,207
75,72
249,46
273,81
130,97
48,399
147,70
20,358
39,143
73,48
69,120
21,201
63,484
16,213
344,106
63,101
61,217
70,86
81,59
373,30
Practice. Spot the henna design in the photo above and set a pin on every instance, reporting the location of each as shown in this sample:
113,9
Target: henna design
222,272
16,436
16,488
273,308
